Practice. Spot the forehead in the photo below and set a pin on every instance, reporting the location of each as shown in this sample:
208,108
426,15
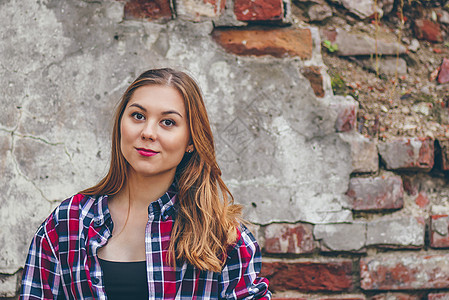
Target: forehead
158,96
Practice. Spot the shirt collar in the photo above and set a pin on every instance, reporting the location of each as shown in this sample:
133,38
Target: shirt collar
164,206
101,213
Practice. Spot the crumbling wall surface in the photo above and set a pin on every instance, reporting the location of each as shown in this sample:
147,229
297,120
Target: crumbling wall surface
64,65
287,147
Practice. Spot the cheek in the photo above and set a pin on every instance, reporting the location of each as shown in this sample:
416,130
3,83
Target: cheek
177,143
125,136
126,132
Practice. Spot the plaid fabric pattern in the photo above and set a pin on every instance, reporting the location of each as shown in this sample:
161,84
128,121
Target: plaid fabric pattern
62,262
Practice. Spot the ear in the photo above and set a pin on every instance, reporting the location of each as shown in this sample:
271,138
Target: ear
190,148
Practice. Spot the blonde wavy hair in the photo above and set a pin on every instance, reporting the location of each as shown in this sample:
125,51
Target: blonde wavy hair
207,218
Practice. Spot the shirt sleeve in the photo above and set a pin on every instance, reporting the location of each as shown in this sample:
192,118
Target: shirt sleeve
239,278
41,275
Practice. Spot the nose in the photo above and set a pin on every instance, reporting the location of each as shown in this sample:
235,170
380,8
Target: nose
149,132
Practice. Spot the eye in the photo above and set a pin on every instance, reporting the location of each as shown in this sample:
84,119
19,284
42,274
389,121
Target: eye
138,116
168,122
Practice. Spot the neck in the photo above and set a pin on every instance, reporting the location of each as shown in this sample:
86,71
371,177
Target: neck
143,190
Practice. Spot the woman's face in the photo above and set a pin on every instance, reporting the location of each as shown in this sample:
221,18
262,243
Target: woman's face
154,131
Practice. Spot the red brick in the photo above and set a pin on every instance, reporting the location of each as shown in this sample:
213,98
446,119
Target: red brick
376,193
313,74
258,10
408,154
438,296
219,5
439,231
396,296
148,9
405,272
348,297
443,76
335,275
279,42
428,30
422,200
289,238
310,296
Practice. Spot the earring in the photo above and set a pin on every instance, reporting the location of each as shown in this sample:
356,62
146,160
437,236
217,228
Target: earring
190,151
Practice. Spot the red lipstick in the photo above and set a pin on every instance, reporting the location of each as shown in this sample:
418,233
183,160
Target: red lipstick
146,152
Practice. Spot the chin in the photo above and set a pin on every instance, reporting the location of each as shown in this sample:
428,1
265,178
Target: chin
145,172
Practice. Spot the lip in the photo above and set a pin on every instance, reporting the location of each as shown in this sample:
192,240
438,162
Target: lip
146,152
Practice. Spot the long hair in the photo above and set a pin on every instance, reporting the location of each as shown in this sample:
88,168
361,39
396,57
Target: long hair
207,218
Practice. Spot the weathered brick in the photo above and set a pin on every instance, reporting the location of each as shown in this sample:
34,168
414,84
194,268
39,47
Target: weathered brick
310,296
258,10
365,158
346,115
332,275
422,200
341,237
396,296
343,297
438,296
389,66
443,75
289,238
376,193
410,186
444,146
428,30
294,298
408,153
439,231
148,9
279,42
395,271
319,11
396,232
350,44
299,297
313,74
197,10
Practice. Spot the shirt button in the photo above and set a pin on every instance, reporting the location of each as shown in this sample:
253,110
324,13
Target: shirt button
95,280
97,222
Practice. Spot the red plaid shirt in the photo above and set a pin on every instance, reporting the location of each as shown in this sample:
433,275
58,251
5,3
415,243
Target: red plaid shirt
62,262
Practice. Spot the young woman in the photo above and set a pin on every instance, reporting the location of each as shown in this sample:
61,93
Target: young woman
161,224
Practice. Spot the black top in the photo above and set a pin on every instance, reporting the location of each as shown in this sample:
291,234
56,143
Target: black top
125,280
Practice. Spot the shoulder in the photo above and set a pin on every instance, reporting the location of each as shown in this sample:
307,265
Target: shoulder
246,244
77,208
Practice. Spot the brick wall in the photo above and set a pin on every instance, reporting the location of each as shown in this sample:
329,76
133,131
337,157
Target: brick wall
395,248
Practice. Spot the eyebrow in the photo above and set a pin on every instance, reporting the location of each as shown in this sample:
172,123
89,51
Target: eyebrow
168,112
